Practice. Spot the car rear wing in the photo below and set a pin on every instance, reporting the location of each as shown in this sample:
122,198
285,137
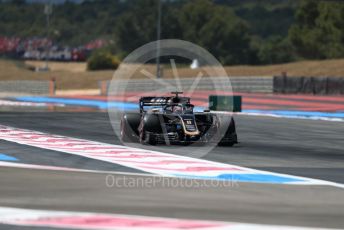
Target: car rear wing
159,101
153,101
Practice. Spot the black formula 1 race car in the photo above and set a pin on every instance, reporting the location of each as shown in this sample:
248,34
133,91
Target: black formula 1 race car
172,120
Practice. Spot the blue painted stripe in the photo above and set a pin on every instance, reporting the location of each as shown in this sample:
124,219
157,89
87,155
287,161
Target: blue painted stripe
292,113
255,178
131,106
80,102
4,157
84,102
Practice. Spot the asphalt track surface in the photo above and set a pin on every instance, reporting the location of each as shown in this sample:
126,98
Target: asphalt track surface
299,147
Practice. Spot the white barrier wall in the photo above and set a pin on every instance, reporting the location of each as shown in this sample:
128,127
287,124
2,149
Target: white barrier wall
26,87
263,84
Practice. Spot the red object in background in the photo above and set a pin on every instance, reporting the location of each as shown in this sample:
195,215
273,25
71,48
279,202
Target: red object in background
96,44
8,44
78,55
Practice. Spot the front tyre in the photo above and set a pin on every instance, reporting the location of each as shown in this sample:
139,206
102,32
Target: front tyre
230,138
127,133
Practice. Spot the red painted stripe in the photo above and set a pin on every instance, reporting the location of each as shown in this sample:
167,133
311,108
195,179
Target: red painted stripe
102,221
128,156
262,107
339,98
111,221
305,97
290,103
195,169
205,94
278,98
258,101
162,162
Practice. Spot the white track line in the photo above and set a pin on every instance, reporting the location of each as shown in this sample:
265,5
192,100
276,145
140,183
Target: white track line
56,168
28,104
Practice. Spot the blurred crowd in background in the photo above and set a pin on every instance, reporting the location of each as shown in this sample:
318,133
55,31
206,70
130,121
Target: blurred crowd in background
37,48
236,32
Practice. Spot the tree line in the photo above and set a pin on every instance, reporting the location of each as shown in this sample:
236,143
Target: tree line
235,32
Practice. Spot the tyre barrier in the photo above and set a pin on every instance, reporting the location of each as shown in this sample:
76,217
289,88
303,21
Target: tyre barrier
308,85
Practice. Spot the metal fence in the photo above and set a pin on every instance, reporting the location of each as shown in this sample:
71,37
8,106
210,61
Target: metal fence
263,84
26,87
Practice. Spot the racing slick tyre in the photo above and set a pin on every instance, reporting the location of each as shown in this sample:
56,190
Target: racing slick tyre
150,128
230,138
129,127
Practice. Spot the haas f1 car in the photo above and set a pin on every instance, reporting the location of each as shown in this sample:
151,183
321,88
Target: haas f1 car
172,120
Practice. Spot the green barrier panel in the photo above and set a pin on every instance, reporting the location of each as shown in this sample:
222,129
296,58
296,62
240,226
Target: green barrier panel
225,103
